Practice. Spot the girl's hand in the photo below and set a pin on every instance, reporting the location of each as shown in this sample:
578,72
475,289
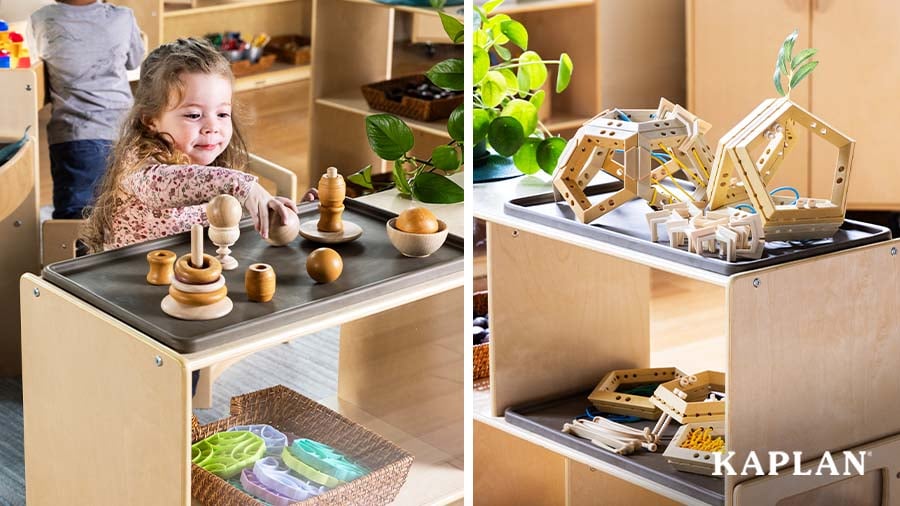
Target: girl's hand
259,202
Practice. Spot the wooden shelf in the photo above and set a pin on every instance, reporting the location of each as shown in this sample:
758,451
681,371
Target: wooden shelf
564,121
211,6
407,8
279,73
519,6
358,105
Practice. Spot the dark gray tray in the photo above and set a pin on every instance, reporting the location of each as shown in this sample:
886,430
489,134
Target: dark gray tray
547,419
114,281
627,227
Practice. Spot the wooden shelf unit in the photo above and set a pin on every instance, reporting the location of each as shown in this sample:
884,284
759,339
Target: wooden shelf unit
566,309
345,63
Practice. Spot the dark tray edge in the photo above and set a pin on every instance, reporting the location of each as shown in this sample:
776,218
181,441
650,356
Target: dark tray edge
518,207
55,274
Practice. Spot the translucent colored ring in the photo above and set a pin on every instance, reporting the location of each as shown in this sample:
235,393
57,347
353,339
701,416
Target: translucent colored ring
198,299
306,471
187,273
209,287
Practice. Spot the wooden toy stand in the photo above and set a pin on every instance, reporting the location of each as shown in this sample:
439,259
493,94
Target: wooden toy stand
129,397
18,203
796,343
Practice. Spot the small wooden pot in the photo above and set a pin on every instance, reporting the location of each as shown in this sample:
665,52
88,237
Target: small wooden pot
260,282
161,266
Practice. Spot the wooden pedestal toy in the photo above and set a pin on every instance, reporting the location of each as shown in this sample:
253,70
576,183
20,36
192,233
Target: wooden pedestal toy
330,228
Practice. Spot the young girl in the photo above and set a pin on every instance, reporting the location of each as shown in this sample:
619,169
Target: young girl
179,147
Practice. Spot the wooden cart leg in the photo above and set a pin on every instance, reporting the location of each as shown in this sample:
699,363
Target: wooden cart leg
405,366
107,409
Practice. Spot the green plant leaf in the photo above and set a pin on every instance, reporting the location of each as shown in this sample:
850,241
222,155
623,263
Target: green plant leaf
445,158
490,5
505,135
389,136
362,178
502,52
777,79
523,83
481,121
802,72
399,176
511,84
532,64
802,56
537,100
784,56
516,32
565,73
494,23
481,63
493,89
453,27
548,153
456,124
525,158
447,74
482,16
437,4
436,189
780,64
524,111
480,39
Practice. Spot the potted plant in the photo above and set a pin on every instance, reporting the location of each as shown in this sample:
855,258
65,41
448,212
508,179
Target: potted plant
507,97
392,139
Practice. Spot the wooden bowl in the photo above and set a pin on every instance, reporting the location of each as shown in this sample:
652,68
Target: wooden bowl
416,245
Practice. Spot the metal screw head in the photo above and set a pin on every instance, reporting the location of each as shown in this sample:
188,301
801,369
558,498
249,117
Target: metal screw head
17,223
756,282
27,87
159,361
37,292
894,251
515,233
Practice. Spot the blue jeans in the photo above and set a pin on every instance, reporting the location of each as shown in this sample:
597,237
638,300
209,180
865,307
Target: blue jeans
76,167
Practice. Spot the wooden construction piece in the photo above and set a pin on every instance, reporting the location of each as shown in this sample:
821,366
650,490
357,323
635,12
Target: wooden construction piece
692,460
748,157
224,214
693,406
259,281
332,191
608,398
654,145
196,260
161,269
350,232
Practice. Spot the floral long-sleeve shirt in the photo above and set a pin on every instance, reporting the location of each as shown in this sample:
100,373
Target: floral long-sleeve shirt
161,200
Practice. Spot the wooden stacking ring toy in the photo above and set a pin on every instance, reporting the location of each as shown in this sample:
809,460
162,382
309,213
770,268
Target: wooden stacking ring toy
198,298
187,273
161,262
209,287
260,282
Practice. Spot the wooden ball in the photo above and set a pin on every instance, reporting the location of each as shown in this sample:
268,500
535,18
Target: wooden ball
282,233
324,265
224,211
417,220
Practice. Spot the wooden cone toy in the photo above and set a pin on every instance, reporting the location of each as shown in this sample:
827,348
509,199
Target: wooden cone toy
198,290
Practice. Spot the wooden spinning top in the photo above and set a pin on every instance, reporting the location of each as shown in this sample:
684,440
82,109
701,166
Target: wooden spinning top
332,191
224,214
198,291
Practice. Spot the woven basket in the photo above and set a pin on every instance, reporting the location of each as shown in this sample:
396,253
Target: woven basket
245,68
481,353
302,417
410,107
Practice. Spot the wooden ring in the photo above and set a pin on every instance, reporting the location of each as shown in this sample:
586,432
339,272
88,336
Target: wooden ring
209,273
198,299
209,287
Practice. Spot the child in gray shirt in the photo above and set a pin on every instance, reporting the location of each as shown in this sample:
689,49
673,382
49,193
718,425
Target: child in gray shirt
86,47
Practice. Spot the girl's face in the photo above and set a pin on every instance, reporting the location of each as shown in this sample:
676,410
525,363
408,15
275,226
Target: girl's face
200,124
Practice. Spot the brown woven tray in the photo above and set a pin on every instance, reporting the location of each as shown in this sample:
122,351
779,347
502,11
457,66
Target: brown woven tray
410,107
302,417
293,49
242,68
481,353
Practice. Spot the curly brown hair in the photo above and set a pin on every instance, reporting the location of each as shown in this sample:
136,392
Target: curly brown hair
159,88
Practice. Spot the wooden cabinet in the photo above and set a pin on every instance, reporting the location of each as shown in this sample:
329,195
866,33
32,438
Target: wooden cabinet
731,51
617,63
164,21
355,43
565,309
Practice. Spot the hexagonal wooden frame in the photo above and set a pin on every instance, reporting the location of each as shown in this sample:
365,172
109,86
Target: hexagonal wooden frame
606,398
693,461
669,127
694,408
737,177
